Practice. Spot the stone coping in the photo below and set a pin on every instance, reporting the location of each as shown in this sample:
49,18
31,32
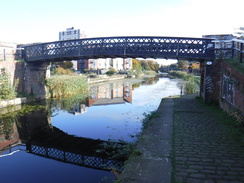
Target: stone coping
11,102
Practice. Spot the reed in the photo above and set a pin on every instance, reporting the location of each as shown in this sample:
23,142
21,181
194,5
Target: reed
61,86
191,83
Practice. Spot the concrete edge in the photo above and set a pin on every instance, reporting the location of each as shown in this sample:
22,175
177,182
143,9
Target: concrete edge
155,145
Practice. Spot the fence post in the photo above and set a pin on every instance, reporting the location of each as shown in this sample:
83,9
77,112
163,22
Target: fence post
241,47
233,50
4,55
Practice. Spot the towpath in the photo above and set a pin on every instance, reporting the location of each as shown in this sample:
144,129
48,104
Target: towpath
186,143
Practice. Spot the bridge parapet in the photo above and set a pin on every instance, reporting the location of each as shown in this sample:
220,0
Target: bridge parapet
124,47
230,49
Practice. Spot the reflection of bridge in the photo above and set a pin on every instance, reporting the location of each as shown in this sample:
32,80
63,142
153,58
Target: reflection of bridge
41,138
55,144
125,47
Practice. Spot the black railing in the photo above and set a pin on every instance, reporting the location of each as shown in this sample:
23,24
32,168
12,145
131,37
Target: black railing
229,49
124,47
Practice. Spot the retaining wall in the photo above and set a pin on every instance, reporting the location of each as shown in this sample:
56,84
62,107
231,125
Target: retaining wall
231,98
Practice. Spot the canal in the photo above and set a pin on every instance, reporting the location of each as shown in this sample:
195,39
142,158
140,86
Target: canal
80,139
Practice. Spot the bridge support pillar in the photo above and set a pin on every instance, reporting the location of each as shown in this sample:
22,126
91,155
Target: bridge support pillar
209,87
35,75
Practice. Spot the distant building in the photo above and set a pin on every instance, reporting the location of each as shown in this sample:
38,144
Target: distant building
69,34
7,51
105,63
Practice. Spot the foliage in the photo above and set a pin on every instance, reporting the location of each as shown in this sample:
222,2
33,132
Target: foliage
66,85
7,90
111,71
191,84
136,65
195,65
182,64
66,64
62,71
236,65
151,65
145,65
150,73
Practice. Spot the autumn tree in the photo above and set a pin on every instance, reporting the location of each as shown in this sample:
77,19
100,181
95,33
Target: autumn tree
145,65
182,64
136,65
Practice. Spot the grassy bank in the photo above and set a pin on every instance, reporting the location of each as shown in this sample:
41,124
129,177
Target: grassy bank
191,82
66,85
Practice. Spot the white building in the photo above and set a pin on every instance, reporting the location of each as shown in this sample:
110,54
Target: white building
69,34
106,63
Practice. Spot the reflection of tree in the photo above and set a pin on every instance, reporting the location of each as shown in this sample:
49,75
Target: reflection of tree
135,85
6,125
8,119
66,104
150,81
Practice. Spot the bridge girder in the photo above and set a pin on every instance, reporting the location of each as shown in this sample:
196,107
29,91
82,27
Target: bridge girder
123,47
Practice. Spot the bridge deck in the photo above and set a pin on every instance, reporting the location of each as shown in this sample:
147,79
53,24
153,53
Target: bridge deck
124,47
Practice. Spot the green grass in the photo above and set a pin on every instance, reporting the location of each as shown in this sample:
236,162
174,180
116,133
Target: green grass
236,65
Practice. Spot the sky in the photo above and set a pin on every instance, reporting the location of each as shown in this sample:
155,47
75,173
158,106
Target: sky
29,21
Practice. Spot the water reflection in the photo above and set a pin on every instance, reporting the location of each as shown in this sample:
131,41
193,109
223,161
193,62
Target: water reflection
54,138
41,138
110,93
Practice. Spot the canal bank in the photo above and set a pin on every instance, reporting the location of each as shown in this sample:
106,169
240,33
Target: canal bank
186,143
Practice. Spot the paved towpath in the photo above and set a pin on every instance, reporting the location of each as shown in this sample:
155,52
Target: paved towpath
187,143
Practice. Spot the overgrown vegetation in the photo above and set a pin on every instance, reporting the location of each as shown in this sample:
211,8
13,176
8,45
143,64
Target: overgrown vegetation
7,89
66,85
144,66
236,64
111,71
191,83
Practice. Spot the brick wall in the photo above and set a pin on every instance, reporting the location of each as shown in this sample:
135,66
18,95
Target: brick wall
231,97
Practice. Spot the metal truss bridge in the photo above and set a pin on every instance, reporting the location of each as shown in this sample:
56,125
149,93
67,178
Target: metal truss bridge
124,47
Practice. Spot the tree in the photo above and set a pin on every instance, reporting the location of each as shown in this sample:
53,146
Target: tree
67,65
136,65
151,65
195,65
156,66
182,64
144,65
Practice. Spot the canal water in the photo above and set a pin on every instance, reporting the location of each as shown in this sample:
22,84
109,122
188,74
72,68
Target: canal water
78,139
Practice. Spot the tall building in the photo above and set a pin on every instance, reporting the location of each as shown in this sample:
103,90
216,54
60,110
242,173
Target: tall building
69,34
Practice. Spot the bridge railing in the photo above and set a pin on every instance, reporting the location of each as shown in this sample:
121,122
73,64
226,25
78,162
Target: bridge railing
229,49
125,47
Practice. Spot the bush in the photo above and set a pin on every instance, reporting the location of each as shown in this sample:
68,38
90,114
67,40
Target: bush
62,71
111,71
7,90
192,82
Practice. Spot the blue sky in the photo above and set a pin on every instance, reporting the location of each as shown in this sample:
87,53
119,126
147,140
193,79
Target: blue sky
27,21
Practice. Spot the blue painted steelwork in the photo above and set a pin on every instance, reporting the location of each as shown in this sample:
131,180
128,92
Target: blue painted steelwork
124,47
